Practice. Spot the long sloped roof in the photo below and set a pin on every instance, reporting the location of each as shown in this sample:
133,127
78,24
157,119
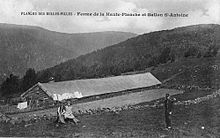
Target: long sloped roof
89,87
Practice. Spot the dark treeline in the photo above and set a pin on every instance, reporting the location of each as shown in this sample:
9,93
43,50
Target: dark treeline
135,54
13,86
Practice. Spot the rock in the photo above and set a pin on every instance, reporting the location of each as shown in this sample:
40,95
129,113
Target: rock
7,120
27,125
18,121
12,122
76,135
163,136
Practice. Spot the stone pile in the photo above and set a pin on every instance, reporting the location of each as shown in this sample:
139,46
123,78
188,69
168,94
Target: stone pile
200,99
5,119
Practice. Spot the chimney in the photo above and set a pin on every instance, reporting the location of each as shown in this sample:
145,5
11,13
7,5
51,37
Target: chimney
51,79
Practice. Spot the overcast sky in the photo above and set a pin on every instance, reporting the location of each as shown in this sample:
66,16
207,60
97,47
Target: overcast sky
200,12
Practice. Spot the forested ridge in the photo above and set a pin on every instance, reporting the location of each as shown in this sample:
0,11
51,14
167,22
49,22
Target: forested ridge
140,53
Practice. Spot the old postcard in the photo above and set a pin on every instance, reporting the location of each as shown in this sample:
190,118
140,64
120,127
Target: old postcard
110,68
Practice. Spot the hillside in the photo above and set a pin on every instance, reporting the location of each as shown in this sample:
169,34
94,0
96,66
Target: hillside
23,47
195,42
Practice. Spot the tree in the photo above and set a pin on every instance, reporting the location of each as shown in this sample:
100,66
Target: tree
153,61
58,77
29,79
165,55
44,76
215,51
191,52
11,86
211,52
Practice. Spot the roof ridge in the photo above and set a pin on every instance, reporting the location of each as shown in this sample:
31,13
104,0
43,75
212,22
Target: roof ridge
99,78
28,90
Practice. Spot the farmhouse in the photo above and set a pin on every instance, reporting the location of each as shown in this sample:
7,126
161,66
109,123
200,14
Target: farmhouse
46,93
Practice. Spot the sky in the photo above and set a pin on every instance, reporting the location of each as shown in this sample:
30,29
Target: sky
199,12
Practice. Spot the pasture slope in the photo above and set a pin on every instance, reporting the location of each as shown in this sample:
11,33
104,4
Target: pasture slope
189,121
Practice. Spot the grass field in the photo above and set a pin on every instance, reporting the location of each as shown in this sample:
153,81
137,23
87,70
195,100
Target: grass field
197,120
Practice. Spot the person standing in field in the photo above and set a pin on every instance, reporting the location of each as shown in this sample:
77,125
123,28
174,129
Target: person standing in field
168,104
